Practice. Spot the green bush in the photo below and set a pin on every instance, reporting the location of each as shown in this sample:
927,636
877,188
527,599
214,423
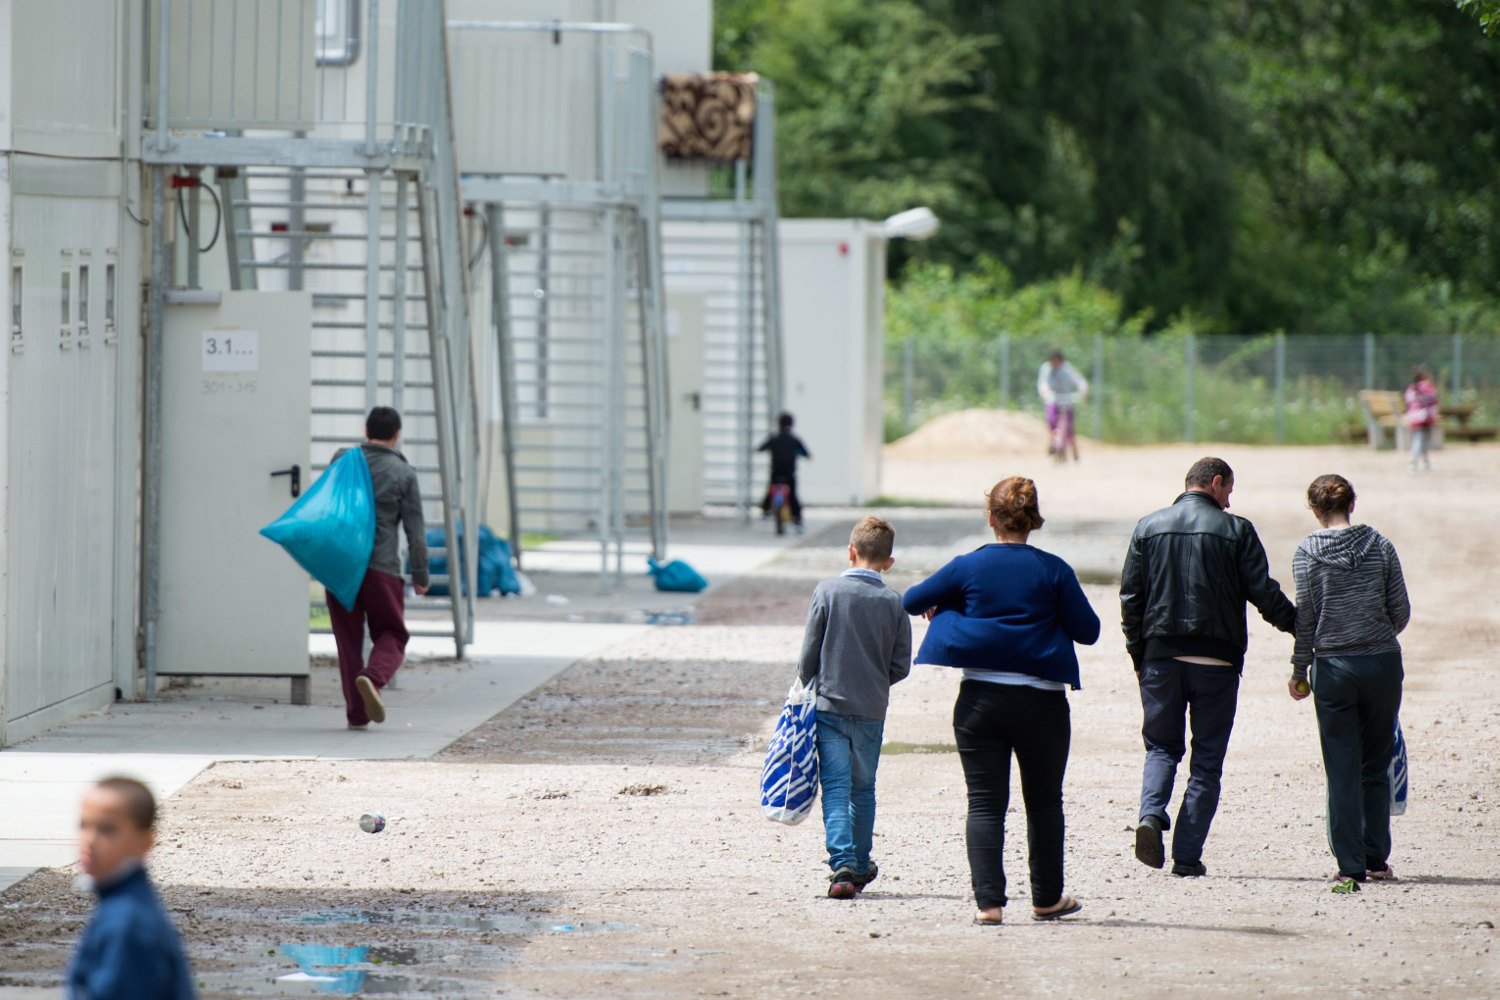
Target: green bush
977,340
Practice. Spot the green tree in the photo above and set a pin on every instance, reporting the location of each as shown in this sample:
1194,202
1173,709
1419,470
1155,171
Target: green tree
868,96
1487,11
1367,165
1260,164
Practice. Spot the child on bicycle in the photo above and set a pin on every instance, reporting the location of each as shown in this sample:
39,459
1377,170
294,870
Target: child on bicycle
785,448
857,644
1061,386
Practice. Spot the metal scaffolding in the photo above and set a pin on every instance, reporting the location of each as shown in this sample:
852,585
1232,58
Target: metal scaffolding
557,148
727,249
336,175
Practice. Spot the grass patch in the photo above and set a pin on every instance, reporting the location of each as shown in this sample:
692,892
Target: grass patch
536,539
1103,578
897,748
318,618
884,502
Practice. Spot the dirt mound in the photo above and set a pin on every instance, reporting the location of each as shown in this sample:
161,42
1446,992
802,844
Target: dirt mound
974,432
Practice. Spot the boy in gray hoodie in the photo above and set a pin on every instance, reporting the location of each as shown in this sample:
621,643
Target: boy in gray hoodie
1351,605
857,644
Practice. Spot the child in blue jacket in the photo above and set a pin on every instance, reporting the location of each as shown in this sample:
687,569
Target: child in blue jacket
129,950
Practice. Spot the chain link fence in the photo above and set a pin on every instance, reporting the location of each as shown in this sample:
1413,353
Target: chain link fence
1171,388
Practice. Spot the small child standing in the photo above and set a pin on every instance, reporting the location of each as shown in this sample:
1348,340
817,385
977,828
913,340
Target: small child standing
129,950
857,644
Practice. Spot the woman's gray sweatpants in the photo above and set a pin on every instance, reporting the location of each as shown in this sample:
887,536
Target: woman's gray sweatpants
1357,698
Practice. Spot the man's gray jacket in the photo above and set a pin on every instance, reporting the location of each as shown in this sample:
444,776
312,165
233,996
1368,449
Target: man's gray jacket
857,644
398,504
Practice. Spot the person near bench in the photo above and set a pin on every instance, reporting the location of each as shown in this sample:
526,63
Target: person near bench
1422,415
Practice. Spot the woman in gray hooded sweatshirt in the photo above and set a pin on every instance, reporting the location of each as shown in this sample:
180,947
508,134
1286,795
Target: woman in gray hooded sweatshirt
1351,605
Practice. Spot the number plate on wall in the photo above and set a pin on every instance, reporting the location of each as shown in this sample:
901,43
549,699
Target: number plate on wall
231,351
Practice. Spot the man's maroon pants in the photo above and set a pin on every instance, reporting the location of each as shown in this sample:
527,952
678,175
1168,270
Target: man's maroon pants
381,603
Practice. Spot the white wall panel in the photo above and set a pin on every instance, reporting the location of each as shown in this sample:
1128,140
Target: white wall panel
62,461
832,281
65,75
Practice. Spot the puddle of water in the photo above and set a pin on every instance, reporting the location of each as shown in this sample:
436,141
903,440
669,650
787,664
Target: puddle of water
336,917
300,984
501,923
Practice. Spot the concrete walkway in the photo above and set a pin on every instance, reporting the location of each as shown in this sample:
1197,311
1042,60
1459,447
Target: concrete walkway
519,645
168,742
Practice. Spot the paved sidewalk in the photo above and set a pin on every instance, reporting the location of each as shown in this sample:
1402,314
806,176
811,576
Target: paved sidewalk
519,645
168,742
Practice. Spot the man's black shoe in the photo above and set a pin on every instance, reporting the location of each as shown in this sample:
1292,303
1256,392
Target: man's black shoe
1148,849
1189,869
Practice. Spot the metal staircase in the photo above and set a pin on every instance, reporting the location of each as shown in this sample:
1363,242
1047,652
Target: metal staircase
308,230
726,247
573,286
336,175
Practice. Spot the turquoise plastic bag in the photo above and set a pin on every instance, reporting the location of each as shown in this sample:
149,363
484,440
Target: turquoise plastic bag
495,569
677,576
330,530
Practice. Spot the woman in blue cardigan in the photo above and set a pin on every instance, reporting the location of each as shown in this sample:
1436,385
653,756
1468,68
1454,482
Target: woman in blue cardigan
1008,615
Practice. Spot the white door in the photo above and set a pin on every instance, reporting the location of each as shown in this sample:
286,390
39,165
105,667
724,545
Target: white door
62,461
685,321
236,401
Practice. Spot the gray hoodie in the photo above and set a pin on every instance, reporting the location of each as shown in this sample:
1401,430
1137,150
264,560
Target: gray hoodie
857,644
1351,596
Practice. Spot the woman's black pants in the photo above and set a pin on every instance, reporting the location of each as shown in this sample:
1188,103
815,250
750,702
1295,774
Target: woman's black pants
991,722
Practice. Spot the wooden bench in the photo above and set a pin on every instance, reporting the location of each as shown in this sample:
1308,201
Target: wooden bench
1385,420
1385,415
1456,424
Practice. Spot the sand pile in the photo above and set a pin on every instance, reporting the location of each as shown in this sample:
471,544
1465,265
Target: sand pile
975,432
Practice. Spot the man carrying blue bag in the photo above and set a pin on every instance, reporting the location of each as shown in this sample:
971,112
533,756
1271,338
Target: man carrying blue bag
381,602
343,532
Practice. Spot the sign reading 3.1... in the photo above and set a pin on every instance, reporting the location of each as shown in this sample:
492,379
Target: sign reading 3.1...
231,351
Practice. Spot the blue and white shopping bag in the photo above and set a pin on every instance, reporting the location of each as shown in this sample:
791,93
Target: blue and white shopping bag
789,780
1398,773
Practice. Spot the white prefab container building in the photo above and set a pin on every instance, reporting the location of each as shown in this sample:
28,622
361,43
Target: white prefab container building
833,313
69,426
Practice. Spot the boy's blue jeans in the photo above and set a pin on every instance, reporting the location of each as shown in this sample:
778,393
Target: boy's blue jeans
848,753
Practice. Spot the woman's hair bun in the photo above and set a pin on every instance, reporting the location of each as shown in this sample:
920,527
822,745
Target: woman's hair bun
1013,505
1330,494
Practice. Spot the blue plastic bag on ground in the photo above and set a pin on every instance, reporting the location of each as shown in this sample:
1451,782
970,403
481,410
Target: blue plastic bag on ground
789,779
1399,786
495,569
676,576
330,530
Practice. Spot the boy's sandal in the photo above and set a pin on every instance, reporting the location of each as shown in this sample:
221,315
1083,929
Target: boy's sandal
1381,874
983,921
1065,906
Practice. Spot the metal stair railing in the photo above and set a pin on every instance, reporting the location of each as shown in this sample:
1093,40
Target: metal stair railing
306,146
574,275
332,208
728,250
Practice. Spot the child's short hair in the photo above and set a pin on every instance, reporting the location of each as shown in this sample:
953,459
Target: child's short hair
873,539
139,802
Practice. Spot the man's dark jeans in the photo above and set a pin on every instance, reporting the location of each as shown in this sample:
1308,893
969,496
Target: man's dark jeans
1170,689
991,722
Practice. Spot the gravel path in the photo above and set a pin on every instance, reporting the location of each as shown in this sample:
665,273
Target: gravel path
599,838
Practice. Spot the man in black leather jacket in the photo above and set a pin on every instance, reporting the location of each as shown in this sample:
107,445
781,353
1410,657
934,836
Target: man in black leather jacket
1190,570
